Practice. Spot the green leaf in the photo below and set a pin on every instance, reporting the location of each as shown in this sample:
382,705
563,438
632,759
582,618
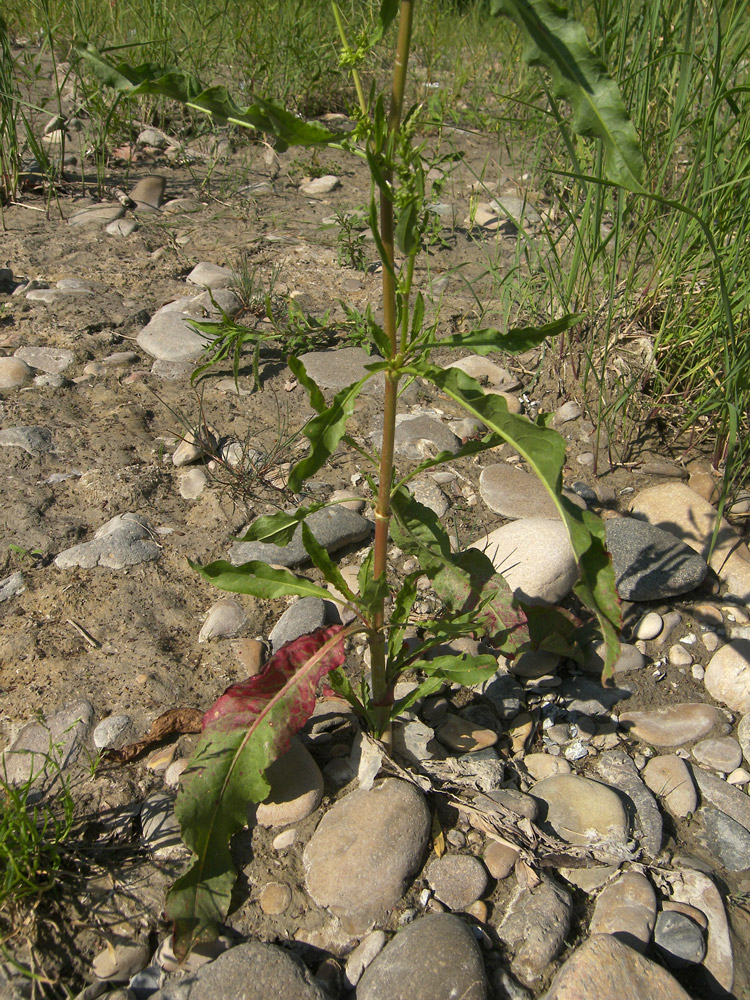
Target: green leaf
407,228
372,591
314,394
279,528
320,558
419,531
555,40
515,341
266,116
324,432
403,602
544,450
243,733
459,669
258,579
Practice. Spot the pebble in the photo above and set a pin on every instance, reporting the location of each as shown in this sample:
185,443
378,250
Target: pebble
225,618
727,677
211,276
672,725
11,585
677,509
296,788
716,792
160,830
630,659
429,494
453,969
174,771
32,440
669,778
121,227
168,336
743,736
338,369
543,765
698,890
727,840
251,970
333,527
458,880
567,412
96,215
582,811
300,618
112,731
201,953
320,186
421,436
148,193
739,776
463,735
679,656
364,849
486,372
722,753
516,494
626,909
680,940
125,540
535,926
192,483
649,626
118,962
619,771
65,729
274,898
500,859
52,360
284,840
534,556
649,563
195,445
362,957
604,968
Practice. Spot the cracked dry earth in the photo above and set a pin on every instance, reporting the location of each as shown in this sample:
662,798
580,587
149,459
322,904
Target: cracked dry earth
539,836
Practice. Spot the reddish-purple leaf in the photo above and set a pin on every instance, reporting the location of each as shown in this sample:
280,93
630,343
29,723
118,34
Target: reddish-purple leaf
243,733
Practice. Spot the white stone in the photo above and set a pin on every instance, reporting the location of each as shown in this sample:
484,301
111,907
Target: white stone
727,676
534,556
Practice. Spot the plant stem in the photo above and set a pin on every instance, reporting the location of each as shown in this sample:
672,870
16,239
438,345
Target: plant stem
380,693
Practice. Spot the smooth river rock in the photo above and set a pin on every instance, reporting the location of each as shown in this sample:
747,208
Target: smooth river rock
672,725
626,909
727,676
125,540
535,926
582,811
364,850
670,779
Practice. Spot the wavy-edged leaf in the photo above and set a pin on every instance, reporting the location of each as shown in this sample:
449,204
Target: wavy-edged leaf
324,432
544,451
248,728
314,393
514,341
258,579
266,116
279,528
557,41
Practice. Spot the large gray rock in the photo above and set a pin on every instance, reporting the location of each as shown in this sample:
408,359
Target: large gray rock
605,969
337,369
333,527
44,748
300,618
434,958
250,971
626,909
125,540
617,768
649,563
582,811
33,440
535,926
517,494
169,337
46,359
727,840
364,850
672,725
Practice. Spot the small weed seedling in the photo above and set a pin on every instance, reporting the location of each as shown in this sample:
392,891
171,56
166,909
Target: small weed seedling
252,723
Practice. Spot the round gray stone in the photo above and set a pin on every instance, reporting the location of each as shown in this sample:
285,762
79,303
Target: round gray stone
680,939
169,337
434,958
300,618
649,563
458,880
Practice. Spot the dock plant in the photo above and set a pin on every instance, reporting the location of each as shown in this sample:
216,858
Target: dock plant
252,723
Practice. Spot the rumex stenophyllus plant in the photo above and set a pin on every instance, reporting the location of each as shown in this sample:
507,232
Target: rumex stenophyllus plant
252,722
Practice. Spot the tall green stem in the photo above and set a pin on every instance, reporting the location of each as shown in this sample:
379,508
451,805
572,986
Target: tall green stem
380,693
